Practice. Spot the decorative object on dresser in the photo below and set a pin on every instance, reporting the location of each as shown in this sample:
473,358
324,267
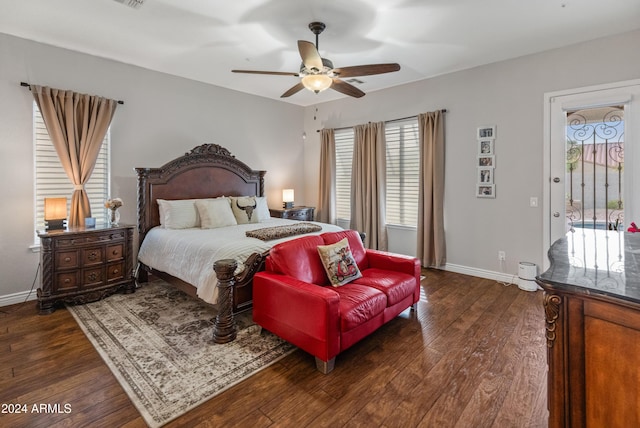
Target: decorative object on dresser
297,213
81,265
592,311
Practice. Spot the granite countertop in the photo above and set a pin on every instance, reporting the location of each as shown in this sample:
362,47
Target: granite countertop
601,262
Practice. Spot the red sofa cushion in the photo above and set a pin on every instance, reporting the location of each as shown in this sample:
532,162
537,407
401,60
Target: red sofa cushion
358,304
299,259
355,244
395,285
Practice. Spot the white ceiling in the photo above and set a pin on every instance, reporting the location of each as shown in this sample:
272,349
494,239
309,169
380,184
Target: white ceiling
204,40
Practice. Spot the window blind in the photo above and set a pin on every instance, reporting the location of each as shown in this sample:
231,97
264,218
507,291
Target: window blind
344,158
403,172
52,181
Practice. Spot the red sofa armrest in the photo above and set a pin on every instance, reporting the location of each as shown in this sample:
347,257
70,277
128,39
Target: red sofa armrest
304,314
395,262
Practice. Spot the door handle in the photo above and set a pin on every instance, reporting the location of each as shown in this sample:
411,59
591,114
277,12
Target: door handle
556,179
556,214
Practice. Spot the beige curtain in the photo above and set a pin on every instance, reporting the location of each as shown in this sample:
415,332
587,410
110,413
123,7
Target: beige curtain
326,212
431,241
77,124
368,178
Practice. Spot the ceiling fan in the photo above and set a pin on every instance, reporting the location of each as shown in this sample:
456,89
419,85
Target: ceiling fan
318,74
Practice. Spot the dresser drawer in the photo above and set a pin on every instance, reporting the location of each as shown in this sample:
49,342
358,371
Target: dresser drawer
67,260
92,256
115,271
67,281
115,252
92,277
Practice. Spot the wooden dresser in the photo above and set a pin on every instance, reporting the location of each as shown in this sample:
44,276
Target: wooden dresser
295,213
82,265
592,311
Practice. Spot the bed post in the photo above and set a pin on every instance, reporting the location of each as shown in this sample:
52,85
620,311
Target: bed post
225,329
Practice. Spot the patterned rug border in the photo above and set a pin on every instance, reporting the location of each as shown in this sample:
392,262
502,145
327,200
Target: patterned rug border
134,395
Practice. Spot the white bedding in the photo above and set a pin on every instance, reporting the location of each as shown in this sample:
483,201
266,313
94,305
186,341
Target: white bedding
189,254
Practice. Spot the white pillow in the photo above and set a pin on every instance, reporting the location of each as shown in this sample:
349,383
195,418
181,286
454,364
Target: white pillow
178,214
263,209
245,209
215,213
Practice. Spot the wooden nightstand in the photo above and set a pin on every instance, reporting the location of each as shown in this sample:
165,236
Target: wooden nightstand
82,265
295,213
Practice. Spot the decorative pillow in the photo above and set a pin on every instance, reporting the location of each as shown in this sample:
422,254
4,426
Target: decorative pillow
245,209
215,213
339,263
178,214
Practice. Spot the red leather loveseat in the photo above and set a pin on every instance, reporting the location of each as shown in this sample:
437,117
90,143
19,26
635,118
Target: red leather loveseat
294,299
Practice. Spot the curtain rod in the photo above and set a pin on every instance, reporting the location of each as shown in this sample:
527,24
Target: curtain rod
27,85
444,110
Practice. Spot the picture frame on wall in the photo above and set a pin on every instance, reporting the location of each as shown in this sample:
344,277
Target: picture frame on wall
485,146
486,161
486,190
485,175
485,132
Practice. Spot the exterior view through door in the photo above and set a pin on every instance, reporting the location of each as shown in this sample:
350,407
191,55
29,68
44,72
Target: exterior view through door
594,176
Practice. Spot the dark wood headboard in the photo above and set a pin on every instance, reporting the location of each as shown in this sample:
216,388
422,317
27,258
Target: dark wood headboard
207,171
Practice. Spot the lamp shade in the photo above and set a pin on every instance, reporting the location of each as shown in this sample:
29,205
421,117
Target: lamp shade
317,82
55,208
287,198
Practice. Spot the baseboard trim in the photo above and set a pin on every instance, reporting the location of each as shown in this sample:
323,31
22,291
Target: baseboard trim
21,297
482,273
12,299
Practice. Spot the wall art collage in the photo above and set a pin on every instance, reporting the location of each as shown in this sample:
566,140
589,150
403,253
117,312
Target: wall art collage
485,185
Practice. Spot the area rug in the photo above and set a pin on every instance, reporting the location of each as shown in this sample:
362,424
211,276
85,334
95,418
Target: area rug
158,343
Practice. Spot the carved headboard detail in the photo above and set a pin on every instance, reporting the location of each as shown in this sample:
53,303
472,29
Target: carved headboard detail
207,171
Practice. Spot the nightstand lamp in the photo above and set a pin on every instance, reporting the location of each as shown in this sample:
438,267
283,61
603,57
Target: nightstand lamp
55,213
287,198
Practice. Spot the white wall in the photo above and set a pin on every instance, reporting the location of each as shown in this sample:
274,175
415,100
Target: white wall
165,116
509,95
162,118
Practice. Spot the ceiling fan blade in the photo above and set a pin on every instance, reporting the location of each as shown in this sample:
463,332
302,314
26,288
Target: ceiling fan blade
275,73
366,70
293,90
309,54
346,88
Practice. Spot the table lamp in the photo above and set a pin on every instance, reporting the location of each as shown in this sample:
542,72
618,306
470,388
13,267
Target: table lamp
55,213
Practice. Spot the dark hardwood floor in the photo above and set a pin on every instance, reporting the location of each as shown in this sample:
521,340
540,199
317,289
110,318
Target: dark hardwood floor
473,355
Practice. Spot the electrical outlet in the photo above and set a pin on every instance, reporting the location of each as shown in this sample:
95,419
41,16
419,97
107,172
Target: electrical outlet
502,256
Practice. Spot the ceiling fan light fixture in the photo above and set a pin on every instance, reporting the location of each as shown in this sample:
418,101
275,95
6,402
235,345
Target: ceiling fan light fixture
317,82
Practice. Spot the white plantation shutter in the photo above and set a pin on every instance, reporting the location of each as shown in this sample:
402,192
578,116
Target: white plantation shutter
52,181
344,158
403,168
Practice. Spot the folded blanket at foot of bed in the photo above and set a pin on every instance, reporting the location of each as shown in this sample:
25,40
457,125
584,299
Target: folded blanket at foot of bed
277,232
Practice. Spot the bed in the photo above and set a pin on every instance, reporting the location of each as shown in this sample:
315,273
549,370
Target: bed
206,172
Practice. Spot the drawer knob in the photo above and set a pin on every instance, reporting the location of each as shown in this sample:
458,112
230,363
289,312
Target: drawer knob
67,259
115,252
115,271
93,255
93,277
67,280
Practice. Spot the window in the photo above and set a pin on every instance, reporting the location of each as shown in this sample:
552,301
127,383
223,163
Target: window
403,168
344,158
403,172
52,181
